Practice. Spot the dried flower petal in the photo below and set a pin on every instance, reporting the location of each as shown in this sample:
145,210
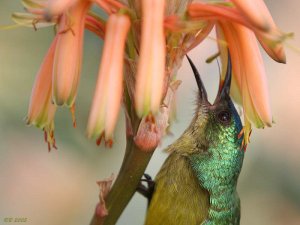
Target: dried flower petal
147,137
152,128
105,186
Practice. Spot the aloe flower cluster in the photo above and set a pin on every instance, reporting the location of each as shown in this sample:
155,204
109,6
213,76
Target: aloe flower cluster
144,44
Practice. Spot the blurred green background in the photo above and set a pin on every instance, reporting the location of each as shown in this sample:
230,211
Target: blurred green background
60,187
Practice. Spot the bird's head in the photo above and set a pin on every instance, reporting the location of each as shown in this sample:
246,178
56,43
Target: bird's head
218,123
212,142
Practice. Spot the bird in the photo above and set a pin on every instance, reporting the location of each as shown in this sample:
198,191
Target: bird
197,184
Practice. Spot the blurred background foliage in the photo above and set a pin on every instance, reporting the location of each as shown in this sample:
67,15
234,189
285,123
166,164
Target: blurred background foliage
60,187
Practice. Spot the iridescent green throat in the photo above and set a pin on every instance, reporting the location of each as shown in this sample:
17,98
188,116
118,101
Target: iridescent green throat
218,173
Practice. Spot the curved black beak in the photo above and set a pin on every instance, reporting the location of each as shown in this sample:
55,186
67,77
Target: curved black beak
202,91
224,87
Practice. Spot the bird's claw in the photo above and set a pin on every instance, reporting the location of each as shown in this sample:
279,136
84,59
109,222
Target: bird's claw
144,190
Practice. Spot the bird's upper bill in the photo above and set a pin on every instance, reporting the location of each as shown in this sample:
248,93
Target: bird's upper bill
144,44
224,86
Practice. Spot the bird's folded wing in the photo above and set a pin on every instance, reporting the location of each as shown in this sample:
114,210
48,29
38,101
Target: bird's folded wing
178,198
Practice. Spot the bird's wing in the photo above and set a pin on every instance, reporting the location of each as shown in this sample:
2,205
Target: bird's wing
178,198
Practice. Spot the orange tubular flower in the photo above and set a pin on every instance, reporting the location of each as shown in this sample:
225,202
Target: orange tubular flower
271,37
151,50
41,110
151,67
108,94
68,54
249,80
239,26
264,21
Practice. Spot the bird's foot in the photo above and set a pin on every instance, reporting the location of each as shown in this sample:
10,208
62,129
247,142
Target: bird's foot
146,190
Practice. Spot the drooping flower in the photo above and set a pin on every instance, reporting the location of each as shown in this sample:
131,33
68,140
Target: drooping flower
239,26
271,37
41,109
151,51
151,67
250,73
68,54
108,94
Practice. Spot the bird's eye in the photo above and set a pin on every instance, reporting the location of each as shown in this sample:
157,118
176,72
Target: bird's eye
224,117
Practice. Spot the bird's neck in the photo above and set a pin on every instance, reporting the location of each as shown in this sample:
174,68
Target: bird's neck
218,174
224,206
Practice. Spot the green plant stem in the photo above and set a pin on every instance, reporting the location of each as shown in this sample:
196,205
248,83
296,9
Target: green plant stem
132,169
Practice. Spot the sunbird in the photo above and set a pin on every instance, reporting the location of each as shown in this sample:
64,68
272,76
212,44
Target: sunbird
197,182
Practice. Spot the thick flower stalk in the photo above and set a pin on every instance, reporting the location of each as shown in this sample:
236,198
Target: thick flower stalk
145,42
